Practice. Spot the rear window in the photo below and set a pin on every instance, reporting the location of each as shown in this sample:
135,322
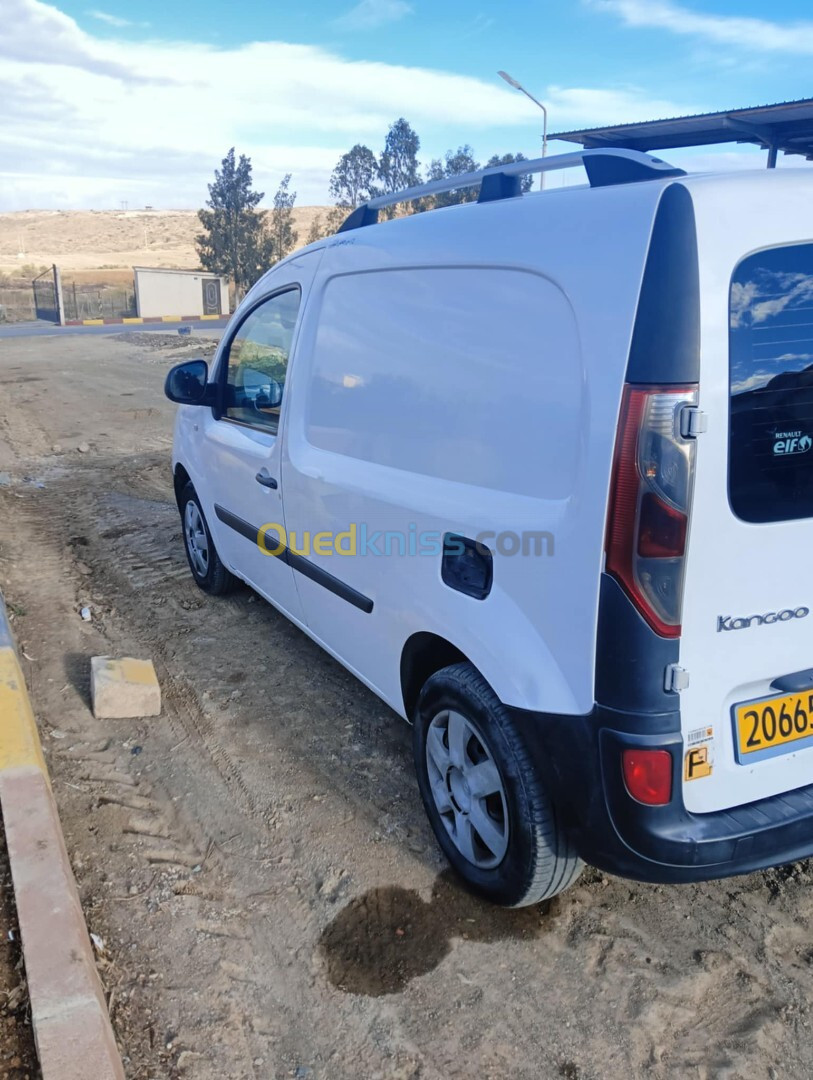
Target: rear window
771,431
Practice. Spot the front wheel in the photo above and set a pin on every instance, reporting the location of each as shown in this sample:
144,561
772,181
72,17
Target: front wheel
208,571
483,794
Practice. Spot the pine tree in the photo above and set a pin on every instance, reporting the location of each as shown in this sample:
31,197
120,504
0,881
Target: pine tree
282,230
235,241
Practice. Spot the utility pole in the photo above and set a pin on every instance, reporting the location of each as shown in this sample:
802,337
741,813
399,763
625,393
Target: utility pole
518,86
60,303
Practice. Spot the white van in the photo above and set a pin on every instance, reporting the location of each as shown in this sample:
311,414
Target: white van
541,476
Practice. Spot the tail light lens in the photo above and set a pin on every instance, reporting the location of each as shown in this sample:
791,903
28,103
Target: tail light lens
648,775
653,475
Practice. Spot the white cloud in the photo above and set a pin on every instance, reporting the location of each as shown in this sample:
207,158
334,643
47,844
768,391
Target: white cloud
753,382
613,106
41,34
743,31
114,20
96,120
368,14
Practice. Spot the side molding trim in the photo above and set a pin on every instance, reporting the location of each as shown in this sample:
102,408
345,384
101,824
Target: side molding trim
298,562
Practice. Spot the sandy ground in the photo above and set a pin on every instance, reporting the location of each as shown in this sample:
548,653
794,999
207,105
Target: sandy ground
18,1060
256,860
110,239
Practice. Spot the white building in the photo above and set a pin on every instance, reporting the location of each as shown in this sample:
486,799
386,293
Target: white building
184,293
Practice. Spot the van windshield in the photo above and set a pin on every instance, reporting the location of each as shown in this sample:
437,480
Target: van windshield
771,349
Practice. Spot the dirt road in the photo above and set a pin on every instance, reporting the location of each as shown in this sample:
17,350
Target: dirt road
256,861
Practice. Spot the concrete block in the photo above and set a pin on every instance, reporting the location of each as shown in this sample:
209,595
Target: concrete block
123,689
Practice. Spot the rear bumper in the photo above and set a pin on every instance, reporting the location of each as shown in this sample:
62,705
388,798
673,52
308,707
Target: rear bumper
580,758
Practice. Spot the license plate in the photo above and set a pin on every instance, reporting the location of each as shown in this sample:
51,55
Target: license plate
772,722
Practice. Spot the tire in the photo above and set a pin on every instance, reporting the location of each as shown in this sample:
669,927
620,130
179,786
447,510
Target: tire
522,855
208,571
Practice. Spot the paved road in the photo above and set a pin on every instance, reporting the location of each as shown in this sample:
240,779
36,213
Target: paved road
47,329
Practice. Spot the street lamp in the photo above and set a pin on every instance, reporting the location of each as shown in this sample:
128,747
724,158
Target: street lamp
518,86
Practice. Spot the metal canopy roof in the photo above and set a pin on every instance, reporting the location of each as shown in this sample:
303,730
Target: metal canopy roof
787,127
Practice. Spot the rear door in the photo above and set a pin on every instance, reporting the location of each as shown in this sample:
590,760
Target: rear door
747,640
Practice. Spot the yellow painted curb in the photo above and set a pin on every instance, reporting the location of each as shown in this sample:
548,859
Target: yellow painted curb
210,316
131,320
92,322
171,318
19,739
72,1030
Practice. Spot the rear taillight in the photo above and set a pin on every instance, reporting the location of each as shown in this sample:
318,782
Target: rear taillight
648,775
650,495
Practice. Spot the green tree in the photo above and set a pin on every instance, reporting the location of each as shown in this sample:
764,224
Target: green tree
317,230
526,182
327,225
336,216
398,166
456,163
283,233
235,241
353,180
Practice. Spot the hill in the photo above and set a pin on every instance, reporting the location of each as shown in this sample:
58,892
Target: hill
90,240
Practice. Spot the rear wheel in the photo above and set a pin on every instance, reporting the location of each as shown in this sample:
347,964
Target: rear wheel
208,571
483,794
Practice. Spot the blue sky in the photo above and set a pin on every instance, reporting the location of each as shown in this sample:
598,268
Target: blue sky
139,101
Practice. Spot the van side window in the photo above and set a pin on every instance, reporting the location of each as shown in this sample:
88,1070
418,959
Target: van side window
771,431
257,362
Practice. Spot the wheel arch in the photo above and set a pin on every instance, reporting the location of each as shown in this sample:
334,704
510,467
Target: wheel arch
423,654
180,479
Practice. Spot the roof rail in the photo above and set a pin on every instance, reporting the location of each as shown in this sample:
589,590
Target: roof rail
604,167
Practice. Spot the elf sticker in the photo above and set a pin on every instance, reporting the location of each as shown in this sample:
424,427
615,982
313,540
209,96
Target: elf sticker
791,442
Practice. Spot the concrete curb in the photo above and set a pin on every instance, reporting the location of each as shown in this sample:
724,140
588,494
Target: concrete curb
72,1029
138,319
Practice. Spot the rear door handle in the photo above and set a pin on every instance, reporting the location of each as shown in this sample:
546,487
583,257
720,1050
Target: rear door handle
263,478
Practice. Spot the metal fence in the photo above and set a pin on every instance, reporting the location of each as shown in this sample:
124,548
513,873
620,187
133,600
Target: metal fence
16,300
97,301
45,295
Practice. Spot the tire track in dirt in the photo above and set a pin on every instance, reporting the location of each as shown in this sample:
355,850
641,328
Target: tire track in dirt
151,564
85,758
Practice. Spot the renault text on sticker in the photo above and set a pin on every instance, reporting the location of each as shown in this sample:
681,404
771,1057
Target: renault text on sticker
791,442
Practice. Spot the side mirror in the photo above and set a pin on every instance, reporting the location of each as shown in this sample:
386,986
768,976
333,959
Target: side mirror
270,397
188,383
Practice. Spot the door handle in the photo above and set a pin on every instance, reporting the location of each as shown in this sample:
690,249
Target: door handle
263,478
